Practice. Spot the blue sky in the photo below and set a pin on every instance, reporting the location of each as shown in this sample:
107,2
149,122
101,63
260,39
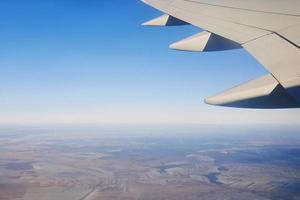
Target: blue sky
79,61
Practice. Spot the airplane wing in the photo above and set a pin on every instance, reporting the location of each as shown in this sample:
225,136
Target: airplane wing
268,29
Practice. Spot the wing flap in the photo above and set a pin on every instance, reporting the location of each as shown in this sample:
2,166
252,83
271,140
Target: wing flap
264,92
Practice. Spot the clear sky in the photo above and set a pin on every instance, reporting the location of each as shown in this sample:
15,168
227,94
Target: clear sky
90,61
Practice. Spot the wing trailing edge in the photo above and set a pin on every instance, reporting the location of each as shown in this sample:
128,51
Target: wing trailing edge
264,92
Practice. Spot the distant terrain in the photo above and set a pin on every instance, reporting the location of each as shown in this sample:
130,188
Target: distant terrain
149,163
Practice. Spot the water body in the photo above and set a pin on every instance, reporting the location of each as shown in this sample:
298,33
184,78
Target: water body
213,177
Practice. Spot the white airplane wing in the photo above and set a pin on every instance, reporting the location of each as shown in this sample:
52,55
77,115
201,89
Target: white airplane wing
268,29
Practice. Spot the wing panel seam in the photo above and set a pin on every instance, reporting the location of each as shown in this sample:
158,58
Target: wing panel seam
222,6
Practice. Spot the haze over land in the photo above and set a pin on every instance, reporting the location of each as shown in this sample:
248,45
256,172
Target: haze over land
166,162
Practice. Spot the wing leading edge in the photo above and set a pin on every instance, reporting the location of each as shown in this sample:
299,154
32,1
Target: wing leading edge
267,29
